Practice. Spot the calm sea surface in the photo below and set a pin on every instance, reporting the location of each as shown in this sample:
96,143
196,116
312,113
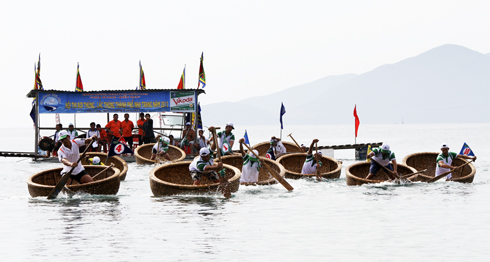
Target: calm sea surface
318,221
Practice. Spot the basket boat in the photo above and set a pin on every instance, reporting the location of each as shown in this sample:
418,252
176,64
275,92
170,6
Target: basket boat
427,160
293,163
118,162
107,183
265,178
355,174
175,178
264,146
142,154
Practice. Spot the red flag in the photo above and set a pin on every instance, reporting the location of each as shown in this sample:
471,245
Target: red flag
182,81
79,85
357,119
142,78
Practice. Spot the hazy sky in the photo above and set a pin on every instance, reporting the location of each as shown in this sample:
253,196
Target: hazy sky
250,47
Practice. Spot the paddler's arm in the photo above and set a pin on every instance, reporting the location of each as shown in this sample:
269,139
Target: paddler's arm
310,150
441,164
232,142
213,146
88,140
68,163
216,167
241,141
370,155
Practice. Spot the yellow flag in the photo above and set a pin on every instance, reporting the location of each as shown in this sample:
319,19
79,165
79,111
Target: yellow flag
368,151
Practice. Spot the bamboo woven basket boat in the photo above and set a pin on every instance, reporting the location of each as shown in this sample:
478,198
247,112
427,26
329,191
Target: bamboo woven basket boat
265,178
142,154
355,174
175,179
107,183
264,146
293,163
118,162
427,160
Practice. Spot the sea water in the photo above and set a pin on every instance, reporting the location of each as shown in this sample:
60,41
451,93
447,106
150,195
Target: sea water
318,221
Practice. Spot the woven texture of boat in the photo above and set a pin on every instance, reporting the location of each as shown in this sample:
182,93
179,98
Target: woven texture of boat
265,178
264,146
107,183
355,174
175,179
427,160
142,154
118,162
293,164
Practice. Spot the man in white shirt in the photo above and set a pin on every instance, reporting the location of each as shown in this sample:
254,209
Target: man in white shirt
69,154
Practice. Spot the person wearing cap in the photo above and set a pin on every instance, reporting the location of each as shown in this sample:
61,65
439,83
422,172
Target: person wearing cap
57,143
278,147
312,162
127,130
140,124
384,156
148,136
93,132
72,132
251,165
445,159
204,165
113,128
95,161
68,155
160,148
304,148
188,138
226,139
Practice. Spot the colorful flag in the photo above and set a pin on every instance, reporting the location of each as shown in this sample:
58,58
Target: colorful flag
39,84
142,78
246,138
198,118
466,150
202,75
270,154
368,151
182,81
357,119
283,111
119,147
79,85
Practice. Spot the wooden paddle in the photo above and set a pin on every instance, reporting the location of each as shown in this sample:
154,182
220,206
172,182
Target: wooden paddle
223,180
432,180
317,172
386,169
294,140
57,189
105,169
409,175
279,178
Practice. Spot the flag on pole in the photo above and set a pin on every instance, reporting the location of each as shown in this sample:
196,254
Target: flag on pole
119,147
79,85
202,75
357,119
39,84
283,111
369,151
198,118
182,81
142,78
466,150
246,138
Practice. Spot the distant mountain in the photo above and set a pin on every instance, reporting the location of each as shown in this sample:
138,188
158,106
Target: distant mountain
447,84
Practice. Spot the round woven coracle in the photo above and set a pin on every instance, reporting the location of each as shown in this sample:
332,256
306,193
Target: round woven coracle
107,183
265,178
355,174
142,154
118,162
427,160
264,146
175,179
293,163
46,144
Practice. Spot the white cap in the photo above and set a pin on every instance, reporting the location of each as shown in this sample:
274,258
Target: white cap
204,151
444,146
385,148
71,124
230,124
63,134
252,154
188,123
96,160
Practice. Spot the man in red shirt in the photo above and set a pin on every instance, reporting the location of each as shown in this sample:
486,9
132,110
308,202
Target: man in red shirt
113,128
127,130
103,138
140,123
